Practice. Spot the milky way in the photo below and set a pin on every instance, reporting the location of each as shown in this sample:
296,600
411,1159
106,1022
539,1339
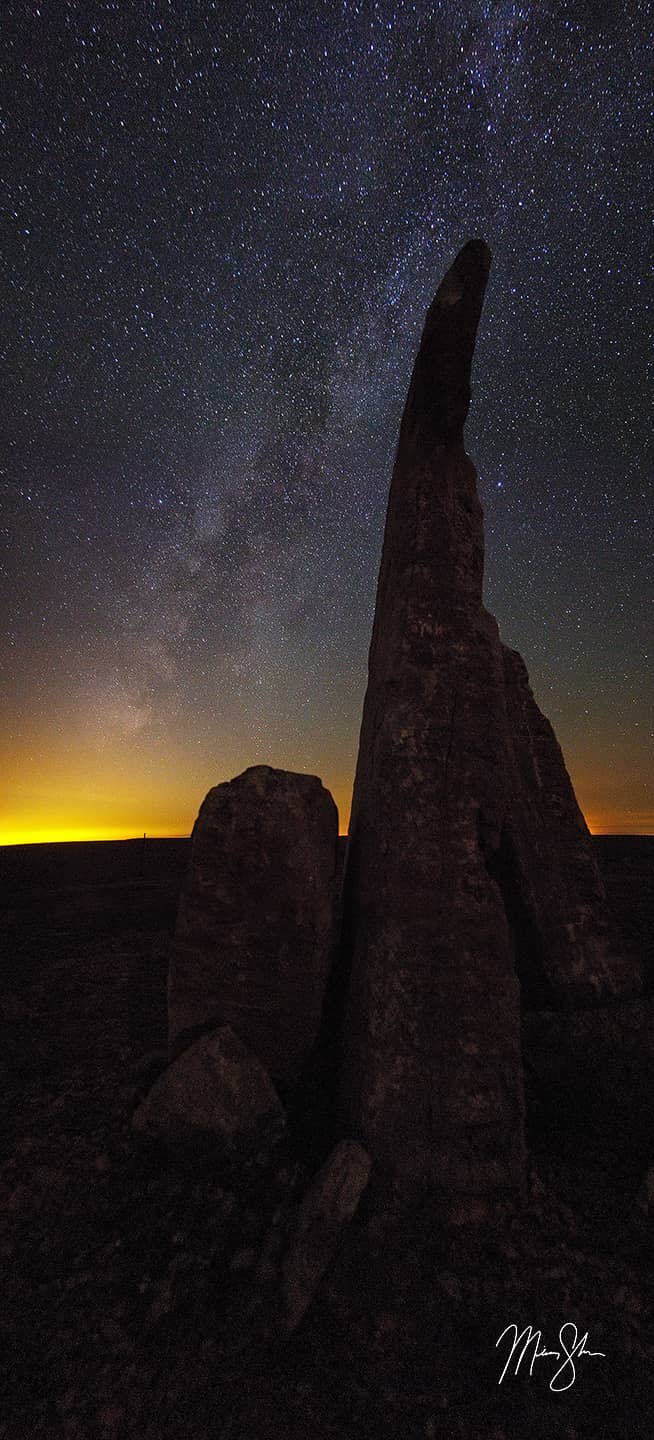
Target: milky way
225,223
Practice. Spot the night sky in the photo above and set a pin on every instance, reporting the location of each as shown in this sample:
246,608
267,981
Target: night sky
223,224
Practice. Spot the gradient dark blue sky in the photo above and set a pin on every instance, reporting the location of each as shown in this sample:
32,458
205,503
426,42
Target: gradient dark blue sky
224,224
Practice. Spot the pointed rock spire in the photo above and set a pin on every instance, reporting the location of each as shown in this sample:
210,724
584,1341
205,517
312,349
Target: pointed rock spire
439,397
469,872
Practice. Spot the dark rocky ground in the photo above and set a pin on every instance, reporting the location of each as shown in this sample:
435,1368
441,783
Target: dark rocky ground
135,1301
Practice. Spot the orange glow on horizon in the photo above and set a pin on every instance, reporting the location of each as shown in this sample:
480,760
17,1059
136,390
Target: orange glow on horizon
60,835
83,794
35,834
59,807
621,822
627,822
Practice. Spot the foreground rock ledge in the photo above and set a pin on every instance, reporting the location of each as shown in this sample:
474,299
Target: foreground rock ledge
469,875
325,1211
216,1092
254,931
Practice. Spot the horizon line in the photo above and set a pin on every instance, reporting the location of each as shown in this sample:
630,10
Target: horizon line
342,835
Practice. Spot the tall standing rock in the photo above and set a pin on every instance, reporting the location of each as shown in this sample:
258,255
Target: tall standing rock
468,860
254,930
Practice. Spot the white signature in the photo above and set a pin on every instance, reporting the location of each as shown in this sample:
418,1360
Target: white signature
571,1351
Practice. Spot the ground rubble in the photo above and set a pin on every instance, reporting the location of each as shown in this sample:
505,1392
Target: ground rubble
140,1299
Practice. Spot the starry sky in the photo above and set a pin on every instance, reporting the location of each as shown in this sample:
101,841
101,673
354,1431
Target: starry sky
223,224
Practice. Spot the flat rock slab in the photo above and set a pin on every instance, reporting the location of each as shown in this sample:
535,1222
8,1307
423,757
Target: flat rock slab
215,1091
254,930
326,1209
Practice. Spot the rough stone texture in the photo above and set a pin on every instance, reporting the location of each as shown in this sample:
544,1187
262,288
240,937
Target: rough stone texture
327,1207
217,1090
254,929
469,862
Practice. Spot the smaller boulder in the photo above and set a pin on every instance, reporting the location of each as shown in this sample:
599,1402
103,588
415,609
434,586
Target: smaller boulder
254,934
328,1206
216,1096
